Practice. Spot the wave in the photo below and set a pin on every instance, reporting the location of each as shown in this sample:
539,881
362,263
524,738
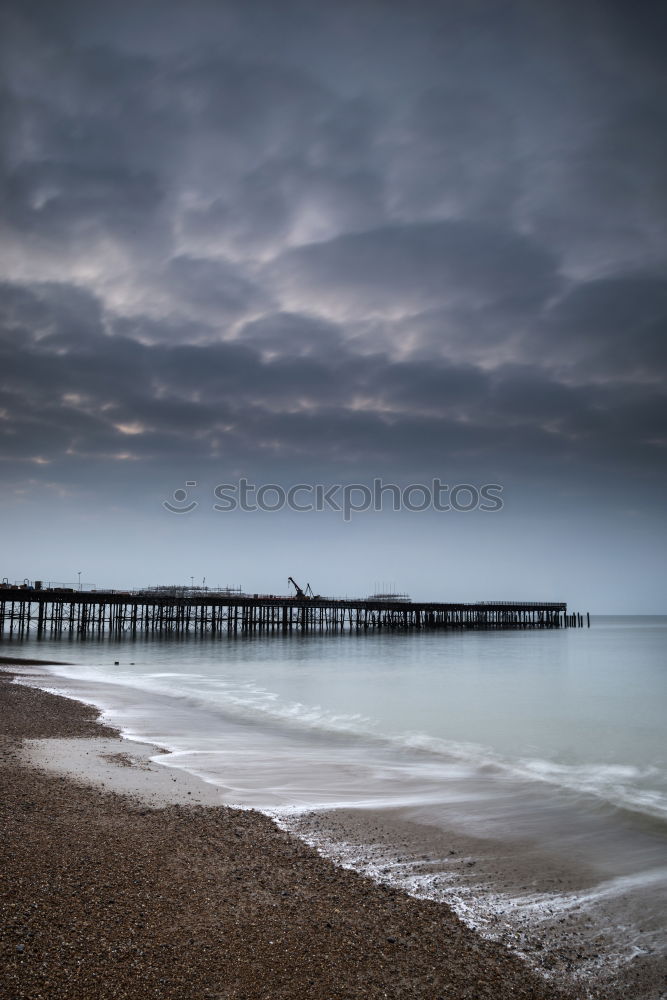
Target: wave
622,786
247,702
618,784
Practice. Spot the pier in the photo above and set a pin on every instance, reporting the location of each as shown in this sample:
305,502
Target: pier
24,611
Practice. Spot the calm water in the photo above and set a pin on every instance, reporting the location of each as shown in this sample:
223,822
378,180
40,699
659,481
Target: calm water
556,737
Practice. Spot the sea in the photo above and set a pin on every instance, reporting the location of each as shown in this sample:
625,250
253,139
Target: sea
518,776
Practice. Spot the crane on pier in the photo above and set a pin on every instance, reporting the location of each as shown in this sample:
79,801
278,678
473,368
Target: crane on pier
303,595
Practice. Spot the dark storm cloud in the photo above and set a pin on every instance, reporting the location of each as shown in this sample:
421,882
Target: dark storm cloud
292,335
29,313
468,157
613,327
69,395
417,265
61,201
367,234
215,286
605,197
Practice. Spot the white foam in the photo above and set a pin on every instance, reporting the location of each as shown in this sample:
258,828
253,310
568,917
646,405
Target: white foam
617,784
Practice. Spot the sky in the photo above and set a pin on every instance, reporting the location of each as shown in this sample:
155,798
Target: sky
327,245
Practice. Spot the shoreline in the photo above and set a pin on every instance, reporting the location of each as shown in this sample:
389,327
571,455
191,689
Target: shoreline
565,915
185,901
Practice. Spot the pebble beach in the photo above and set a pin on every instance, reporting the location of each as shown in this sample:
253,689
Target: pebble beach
115,894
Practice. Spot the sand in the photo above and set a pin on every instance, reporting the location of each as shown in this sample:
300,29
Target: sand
114,884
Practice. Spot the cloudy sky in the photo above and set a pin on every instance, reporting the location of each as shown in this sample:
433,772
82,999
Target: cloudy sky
309,243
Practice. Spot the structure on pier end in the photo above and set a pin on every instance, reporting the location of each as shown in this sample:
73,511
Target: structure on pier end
51,611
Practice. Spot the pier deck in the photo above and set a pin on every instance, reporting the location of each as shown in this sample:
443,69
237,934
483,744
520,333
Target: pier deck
40,611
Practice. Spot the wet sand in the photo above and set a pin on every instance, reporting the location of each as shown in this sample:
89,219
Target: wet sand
138,895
